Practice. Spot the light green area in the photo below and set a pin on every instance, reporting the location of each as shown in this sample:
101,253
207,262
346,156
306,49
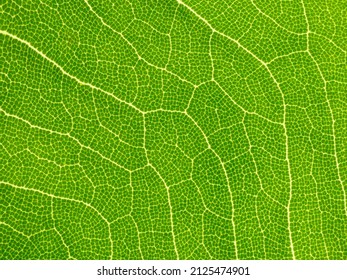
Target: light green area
173,129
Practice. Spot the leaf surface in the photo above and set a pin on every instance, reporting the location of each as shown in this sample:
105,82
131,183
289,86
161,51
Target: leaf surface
173,129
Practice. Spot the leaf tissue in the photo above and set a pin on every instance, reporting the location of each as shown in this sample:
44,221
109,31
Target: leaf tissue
178,129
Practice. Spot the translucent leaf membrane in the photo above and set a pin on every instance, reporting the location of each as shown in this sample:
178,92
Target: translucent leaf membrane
173,129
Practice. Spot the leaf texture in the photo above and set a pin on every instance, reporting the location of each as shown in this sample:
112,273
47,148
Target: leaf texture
179,129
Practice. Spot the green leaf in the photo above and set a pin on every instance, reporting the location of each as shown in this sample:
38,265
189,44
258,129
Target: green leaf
177,129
